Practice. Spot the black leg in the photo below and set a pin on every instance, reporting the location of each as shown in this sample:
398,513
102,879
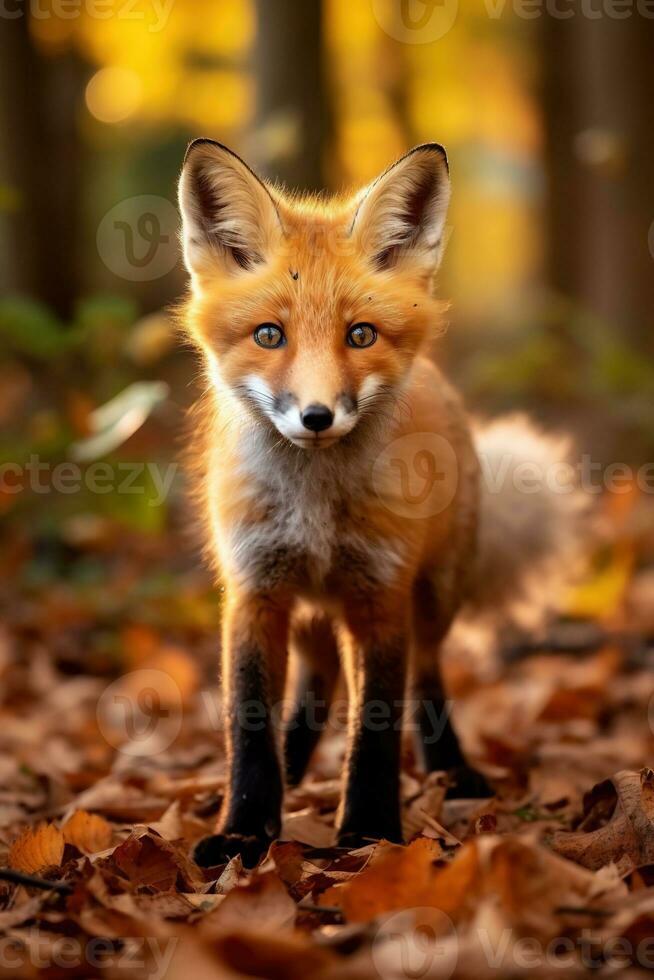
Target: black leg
254,653
371,804
315,654
438,745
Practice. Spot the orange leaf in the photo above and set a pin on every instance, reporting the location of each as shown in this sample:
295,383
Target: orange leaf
88,832
36,849
396,878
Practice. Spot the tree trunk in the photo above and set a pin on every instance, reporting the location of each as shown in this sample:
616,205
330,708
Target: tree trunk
293,118
39,104
600,158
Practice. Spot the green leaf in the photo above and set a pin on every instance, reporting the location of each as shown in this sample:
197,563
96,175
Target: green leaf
28,327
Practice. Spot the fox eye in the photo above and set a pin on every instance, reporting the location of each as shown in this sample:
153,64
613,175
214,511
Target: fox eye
361,335
269,335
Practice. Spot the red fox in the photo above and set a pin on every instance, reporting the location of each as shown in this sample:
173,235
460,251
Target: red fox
340,481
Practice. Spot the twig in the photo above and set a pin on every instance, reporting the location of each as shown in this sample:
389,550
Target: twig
31,881
575,910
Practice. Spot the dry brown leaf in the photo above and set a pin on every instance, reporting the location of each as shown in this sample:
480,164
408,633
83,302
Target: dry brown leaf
308,827
396,878
36,849
288,859
231,876
531,884
626,801
12,917
288,956
151,862
263,899
88,832
426,807
249,952
192,958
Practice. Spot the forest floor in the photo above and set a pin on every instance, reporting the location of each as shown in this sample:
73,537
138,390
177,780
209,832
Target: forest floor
112,764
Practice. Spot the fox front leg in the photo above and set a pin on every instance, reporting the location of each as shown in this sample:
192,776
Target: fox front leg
255,635
377,650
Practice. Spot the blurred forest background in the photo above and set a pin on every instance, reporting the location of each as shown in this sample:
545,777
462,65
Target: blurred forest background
547,121
108,618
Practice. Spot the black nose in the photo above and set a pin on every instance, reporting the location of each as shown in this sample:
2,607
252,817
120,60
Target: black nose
317,417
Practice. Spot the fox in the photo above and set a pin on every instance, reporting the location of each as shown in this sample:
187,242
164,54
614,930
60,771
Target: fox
339,479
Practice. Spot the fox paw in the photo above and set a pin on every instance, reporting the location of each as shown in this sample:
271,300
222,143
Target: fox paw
220,848
468,784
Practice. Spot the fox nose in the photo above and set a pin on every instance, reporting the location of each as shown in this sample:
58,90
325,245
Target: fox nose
317,417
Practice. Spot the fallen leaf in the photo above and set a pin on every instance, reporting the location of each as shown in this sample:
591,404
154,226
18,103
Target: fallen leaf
396,878
151,862
624,808
88,832
283,957
308,827
426,806
263,899
37,849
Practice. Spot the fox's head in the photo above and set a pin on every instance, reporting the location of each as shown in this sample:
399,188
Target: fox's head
310,312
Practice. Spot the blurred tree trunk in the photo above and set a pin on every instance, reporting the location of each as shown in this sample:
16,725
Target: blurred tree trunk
293,116
41,166
600,160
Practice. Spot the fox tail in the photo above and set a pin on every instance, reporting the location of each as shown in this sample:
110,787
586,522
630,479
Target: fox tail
532,522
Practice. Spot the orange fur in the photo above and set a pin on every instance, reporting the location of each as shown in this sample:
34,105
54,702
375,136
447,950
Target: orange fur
327,519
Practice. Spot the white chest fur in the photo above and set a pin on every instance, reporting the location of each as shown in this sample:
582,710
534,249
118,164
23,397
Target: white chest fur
315,507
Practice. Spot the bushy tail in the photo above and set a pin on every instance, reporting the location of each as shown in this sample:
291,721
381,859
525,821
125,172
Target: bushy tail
532,519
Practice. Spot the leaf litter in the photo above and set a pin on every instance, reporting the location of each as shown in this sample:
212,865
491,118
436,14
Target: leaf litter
554,876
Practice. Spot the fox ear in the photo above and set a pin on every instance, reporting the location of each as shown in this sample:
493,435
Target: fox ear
229,217
402,214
